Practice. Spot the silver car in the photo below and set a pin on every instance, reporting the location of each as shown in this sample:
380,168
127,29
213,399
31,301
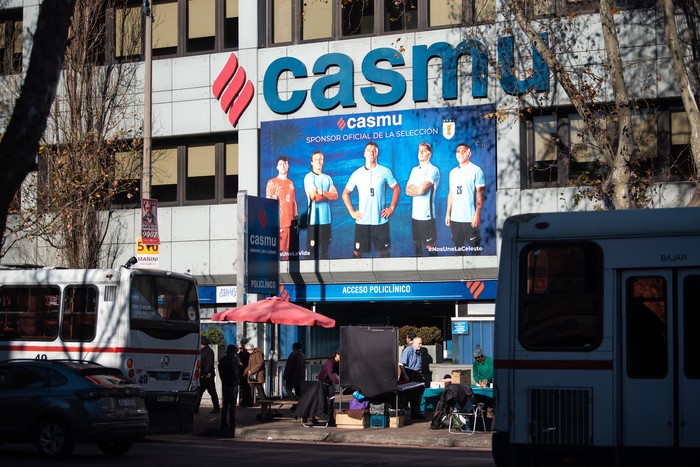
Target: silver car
57,403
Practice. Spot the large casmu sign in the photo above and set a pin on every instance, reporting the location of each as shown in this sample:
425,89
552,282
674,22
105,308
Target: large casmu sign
286,173
330,90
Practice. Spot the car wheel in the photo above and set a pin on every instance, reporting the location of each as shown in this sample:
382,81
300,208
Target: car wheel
114,448
53,438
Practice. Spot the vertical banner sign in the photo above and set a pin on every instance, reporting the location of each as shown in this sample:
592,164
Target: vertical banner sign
149,222
262,245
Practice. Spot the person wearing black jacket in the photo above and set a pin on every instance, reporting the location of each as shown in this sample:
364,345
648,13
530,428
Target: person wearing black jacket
230,374
206,376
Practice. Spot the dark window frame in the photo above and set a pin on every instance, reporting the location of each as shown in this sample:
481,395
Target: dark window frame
671,164
557,298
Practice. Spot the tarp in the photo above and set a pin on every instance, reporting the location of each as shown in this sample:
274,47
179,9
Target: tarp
369,359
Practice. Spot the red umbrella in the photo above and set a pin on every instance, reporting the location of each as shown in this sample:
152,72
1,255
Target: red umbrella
274,310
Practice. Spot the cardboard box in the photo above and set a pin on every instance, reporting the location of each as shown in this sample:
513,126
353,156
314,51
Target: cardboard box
440,383
463,377
396,422
343,420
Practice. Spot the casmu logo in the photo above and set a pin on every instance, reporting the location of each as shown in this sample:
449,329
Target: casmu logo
329,91
237,96
373,121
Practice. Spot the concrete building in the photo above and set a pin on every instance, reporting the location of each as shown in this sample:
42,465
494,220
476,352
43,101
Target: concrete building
236,84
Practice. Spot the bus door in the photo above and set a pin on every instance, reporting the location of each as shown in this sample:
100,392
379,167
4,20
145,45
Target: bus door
661,373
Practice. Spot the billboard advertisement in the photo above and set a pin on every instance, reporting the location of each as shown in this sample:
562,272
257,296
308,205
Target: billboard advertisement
262,246
405,183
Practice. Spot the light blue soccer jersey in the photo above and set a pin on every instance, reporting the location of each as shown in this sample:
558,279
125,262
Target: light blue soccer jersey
463,184
371,187
424,205
319,213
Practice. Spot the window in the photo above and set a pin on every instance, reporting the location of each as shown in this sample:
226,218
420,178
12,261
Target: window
201,171
128,31
296,21
559,149
128,175
164,174
192,172
691,326
231,172
231,24
165,28
29,312
647,348
560,297
11,42
179,27
201,25
79,313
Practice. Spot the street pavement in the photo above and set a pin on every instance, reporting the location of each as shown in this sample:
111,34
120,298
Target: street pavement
284,427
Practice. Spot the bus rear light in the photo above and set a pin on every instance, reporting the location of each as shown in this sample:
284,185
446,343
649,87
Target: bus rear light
131,373
196,374
129,363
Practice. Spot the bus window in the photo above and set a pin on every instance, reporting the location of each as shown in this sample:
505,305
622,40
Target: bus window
164,301
691,330
647,348
29,312
79,313
560,297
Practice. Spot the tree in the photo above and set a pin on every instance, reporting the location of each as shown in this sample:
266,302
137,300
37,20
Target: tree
20,141
686,67
90,155
600,94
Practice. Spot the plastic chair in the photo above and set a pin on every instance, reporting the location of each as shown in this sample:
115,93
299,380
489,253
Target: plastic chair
464,416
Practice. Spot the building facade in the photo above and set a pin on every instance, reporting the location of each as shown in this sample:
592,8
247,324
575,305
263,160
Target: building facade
237,84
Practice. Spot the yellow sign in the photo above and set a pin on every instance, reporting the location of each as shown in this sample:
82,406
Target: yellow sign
147,255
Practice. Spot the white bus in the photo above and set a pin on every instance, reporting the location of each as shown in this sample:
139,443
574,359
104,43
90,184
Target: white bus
145,322
597,339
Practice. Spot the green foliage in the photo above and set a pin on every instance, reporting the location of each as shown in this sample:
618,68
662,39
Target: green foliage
214,334
431,335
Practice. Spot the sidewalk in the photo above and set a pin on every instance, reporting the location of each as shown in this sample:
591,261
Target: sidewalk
286,428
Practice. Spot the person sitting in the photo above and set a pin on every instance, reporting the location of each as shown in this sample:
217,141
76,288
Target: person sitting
482,368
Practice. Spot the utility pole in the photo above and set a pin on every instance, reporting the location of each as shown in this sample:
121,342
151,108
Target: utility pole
147,87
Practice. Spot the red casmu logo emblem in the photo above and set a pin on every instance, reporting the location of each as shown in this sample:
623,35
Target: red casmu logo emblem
475,287
262,218
238,95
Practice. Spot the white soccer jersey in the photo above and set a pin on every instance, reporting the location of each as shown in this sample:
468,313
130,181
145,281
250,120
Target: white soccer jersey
424,205
371,187
463,184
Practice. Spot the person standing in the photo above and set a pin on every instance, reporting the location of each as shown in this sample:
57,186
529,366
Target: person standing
255,372
327,377
294,371
319,191
206,376
411,363
464,202
482,367
422,186
230,374
244,388
372,214
282,189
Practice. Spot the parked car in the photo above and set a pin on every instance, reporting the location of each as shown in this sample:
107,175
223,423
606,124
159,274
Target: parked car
57,403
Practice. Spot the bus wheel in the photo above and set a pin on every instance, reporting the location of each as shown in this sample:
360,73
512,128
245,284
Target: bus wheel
115,448
53,438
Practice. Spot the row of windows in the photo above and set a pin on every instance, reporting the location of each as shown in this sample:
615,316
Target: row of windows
558,152
311,20
190,173
183,27
33,312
